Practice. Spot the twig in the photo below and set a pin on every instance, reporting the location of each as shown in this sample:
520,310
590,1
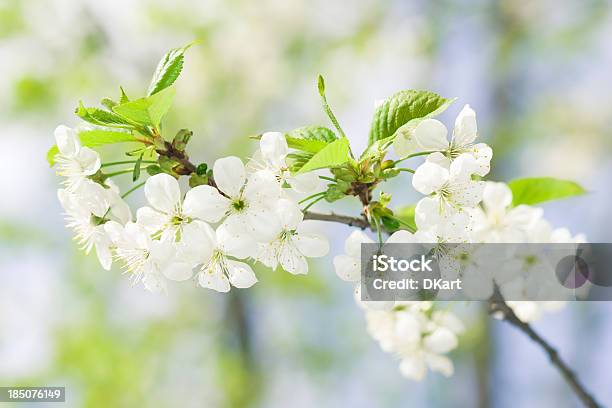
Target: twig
568,375
342,219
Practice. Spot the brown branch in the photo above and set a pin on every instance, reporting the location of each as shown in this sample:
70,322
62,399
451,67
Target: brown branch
568,375
361,223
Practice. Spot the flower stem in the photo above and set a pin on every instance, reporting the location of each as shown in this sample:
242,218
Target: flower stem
126,162
412,155
405,169
313,203
131,190
327,178
311,197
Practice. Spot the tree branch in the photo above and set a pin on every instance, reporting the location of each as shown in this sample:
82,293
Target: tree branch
361,223
568,375
495,306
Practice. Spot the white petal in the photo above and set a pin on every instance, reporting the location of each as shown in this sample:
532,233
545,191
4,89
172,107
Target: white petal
405,143
214,278
104,255
311,245
429,177
240,274
347,268
462,168
289,214
466,129
427,213
468,194
496,196
441,364
263,224
235,241
305,183
230,175
352,246
66,140
197,243
151,219
413,367
292,261
439,159
163,193
441,340
91,196
262,188
483,154
89,160
154,282
205,203
401,237
430,134
273,147
178,271
114,230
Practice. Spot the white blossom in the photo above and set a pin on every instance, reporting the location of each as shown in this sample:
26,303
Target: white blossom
74,161
292,245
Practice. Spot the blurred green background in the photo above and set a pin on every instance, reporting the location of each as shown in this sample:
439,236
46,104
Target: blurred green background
537,74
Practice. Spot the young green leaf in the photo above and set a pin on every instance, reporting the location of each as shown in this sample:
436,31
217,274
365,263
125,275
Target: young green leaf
124,98
406,216
403,107
101,117
168,70
147,111
136,172
93,138
334,154
310,138
536,190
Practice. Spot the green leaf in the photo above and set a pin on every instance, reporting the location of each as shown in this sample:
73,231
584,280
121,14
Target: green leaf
403,107
334,154
168,70
124,98
406,216
147,111
93,138
310,138
536,190
101,117
136,172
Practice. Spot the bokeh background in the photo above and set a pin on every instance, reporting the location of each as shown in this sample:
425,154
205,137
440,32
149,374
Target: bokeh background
537,73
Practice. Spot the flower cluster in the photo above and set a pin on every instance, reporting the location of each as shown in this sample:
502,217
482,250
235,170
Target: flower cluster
208,234
457,208
235,214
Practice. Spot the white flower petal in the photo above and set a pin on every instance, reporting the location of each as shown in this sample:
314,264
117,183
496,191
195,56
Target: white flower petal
311,245
496,197
483,154
352,246
462,168
214,278
151,219
347,268
427,213
262,188
305,183
466,129
439,159
441,340
104,254
430,134
240,274
289,214
292,261
273,147
441,364
413,367
468,194
163,193
235,241
67,141
178,271
401,237
230,175
205,203
89,160
263,224
429,177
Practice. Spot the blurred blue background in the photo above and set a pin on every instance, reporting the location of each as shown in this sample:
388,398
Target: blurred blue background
537,74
